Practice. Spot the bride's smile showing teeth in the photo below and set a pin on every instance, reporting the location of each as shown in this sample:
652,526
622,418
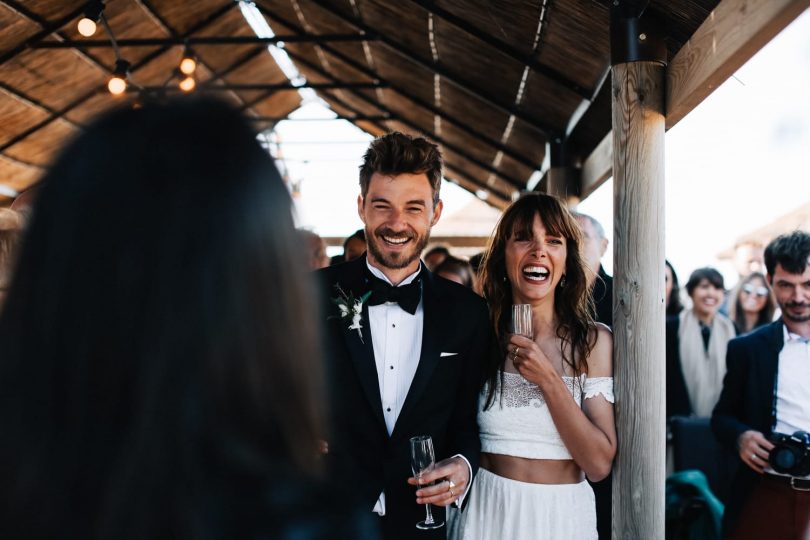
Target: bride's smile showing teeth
536,273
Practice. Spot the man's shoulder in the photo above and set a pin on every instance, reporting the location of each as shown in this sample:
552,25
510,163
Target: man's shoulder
456,294
762,336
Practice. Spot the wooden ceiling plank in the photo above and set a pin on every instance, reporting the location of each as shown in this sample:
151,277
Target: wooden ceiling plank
510,109
62,38
75,103
411,97
729,37
504,48
36,38
16,95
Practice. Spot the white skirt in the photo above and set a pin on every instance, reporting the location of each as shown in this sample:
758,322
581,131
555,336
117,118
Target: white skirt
502,508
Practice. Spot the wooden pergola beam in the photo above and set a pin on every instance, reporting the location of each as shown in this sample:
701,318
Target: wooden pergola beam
206,40
461,84
597,167
729,37
734,32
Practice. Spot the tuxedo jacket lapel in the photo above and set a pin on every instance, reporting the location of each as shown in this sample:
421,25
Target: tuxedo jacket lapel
430,347
362,351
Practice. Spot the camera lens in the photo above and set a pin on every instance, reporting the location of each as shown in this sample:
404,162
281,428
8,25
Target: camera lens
783,459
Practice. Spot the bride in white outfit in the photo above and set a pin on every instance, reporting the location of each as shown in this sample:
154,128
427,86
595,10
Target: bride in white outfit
546,410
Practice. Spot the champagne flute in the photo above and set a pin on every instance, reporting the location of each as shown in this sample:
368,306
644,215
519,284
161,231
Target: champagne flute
522,320
422,461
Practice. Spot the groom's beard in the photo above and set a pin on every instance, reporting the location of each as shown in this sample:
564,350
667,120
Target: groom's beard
394,258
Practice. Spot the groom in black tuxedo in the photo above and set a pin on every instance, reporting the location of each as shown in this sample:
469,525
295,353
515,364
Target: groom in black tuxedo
404,349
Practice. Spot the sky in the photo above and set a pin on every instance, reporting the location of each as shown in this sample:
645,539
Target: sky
738,161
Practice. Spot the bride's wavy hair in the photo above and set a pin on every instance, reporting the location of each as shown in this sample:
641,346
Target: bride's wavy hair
573,304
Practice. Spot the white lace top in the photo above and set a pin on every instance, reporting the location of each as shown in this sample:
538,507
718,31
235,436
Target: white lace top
519,423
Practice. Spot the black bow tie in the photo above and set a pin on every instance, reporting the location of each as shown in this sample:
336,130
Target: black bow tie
407,296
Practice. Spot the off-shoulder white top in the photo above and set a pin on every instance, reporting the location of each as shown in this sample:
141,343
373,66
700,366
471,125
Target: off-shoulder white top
519,423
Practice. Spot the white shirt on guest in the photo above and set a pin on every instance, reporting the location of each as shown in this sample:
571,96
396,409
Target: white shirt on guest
793,385
396,337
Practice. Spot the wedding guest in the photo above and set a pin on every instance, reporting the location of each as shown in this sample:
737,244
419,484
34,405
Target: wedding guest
159,368
765,395
594,246
315,249
354,246
457,270
404,349
696,342
434,256
546,409
672,290
752,303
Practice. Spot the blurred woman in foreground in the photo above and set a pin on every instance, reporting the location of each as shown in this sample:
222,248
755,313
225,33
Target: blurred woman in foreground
158,370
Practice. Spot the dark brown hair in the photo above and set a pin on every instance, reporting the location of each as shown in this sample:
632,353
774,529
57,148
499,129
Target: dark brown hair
157,345
572,302
397,153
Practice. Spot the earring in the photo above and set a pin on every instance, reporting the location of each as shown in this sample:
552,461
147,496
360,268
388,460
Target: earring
562,281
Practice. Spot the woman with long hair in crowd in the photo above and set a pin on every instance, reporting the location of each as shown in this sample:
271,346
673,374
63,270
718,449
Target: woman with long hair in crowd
672,290
546,407
696,342
751,303
159,369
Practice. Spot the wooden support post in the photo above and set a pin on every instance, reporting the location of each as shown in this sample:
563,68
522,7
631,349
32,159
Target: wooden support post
638,284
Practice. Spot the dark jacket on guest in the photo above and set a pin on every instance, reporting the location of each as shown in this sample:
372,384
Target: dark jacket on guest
603,297
747,402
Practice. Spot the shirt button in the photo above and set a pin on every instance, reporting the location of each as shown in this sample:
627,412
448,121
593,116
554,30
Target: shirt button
392,367
388,409
394,325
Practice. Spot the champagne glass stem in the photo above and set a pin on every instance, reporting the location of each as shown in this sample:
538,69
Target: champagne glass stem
428,513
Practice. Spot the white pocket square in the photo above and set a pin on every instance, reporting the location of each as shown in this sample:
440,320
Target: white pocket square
442,355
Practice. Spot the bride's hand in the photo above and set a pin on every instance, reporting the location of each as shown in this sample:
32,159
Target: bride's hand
530,361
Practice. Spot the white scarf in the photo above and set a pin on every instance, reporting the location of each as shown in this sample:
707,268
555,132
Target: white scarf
703,370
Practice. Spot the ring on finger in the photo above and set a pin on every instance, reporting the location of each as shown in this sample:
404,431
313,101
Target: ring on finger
450,486
754,456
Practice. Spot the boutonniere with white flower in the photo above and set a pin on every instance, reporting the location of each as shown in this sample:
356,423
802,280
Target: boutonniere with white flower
351,309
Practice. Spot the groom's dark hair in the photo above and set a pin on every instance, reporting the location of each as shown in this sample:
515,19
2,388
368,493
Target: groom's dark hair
397,153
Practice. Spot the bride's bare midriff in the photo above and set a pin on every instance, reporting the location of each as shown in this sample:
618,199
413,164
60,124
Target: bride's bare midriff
533,471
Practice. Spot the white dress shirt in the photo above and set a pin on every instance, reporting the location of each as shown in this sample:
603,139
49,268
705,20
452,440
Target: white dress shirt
793,386
396,336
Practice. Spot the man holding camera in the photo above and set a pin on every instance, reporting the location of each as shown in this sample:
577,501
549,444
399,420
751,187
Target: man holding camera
765,405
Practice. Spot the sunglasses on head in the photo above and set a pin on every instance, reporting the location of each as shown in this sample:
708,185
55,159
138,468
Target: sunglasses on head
759,291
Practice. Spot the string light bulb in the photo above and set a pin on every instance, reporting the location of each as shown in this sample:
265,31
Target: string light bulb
117,84
92,13
188,84
188,64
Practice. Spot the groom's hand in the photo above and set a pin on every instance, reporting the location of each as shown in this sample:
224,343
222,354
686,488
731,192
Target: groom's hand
451,477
